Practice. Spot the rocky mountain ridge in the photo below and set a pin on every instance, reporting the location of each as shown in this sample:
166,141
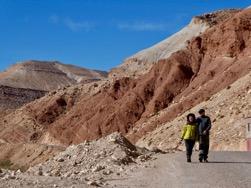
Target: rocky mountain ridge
47,75
141,62
26,81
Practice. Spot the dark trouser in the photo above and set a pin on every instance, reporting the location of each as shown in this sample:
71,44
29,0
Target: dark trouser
203,147
189,147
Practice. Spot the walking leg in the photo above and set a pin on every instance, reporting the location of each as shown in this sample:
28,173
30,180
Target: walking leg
190,145
187,149
206,149
201,148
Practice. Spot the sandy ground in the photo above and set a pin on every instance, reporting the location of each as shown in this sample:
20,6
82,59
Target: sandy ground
225,169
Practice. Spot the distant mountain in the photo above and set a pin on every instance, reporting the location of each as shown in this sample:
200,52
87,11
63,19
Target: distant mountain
30,80
141,62
47,75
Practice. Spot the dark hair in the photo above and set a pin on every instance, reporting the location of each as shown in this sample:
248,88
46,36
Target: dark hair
193,115
201,111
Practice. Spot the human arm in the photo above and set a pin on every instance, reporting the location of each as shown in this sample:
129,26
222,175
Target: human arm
200,131
197,134
209,125
184,129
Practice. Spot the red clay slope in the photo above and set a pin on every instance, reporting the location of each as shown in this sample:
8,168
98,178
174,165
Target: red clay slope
211,62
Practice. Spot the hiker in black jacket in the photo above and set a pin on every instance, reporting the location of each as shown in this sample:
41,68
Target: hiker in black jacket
204,124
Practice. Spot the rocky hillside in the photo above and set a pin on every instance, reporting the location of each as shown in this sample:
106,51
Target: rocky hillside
89,164
27,81
141,62
12,98
46,76
228,109
95,161
211,62
22,156
23,126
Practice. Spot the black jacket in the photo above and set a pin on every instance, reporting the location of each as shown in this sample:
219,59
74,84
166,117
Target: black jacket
204,124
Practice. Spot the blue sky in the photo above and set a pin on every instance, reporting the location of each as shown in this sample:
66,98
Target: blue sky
96,34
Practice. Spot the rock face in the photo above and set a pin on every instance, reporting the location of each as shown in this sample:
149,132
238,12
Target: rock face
210,63
142,62
12,98
46,76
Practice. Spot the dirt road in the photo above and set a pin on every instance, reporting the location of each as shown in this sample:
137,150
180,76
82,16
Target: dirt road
225,169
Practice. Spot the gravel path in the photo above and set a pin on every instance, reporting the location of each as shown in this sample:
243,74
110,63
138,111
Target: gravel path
226,169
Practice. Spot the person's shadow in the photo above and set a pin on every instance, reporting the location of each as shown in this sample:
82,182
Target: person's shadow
233,162
226,162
